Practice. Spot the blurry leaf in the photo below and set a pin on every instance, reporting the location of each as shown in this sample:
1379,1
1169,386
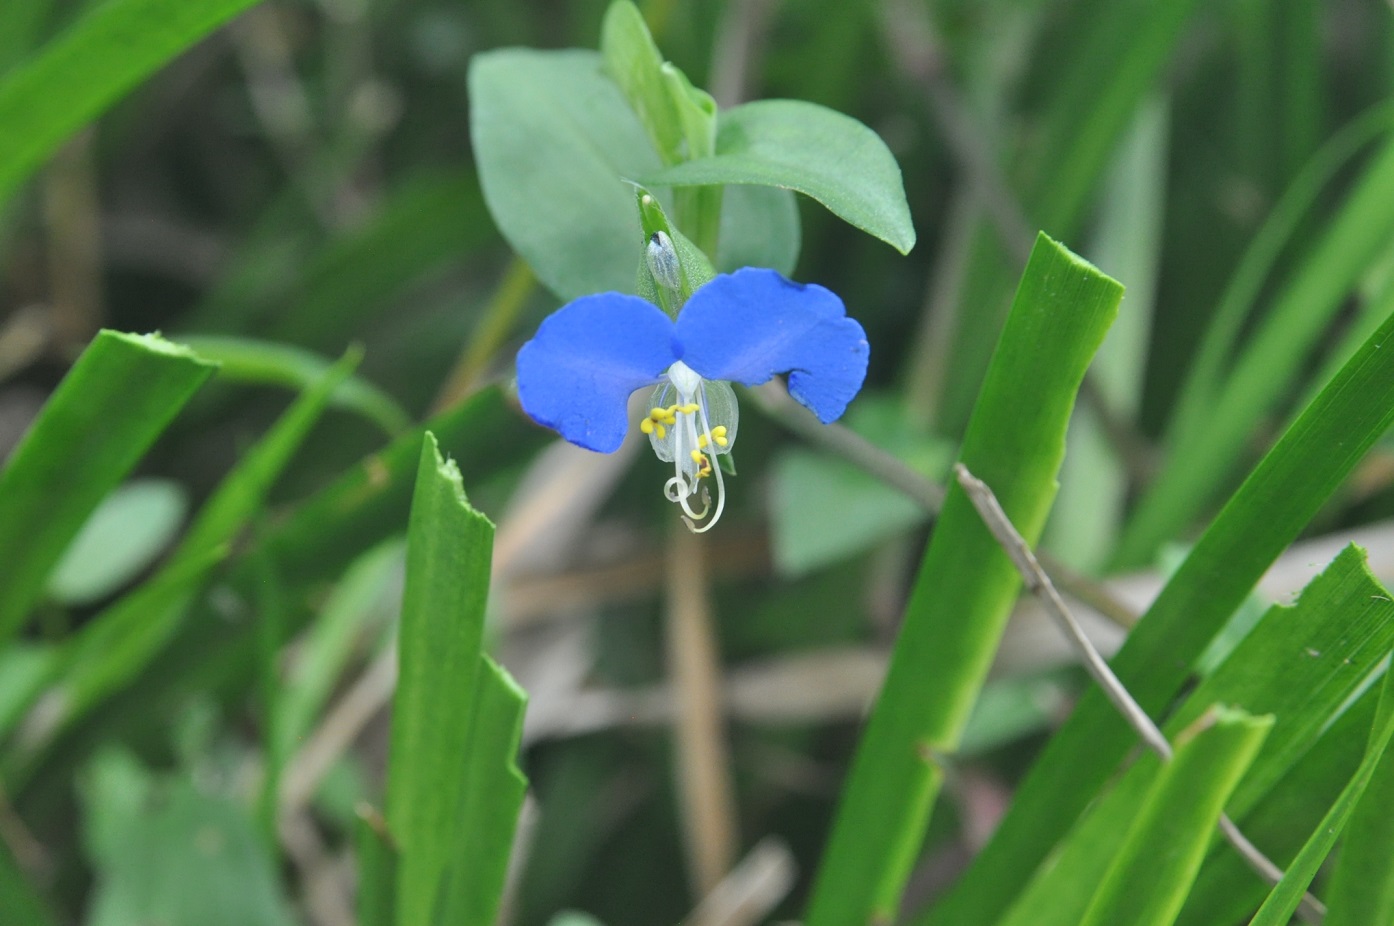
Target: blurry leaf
21,22
825,509
247,360
119,643
1203,458
759,228
132,526
322,654
109,50
814,150
21,904
24,670
118,397
1282,494
1283,900
455,718
555,142
965,587
167,853
1158,859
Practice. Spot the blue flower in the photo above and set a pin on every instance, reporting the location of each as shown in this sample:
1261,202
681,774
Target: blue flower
578,371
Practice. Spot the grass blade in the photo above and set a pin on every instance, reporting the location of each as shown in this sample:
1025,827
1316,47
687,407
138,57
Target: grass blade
119,396
1277,500
1162,852
965,587
456,717
1361,889
249,360
1283,901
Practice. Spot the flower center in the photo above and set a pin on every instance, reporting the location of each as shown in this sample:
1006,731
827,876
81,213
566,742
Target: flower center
690,423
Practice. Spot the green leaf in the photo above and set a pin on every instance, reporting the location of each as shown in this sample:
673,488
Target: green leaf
1282,494
1153,870
249,360
132,526
165,851
555,143
759,228
449,713
965,587
119,396
108,51
814,150
1282,902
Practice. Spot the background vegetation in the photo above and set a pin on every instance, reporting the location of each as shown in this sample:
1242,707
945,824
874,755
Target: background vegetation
213,544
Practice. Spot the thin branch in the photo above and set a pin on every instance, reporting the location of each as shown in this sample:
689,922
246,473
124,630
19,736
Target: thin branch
1039,584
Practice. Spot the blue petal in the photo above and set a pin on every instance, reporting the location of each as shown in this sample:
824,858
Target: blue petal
578,371
749,325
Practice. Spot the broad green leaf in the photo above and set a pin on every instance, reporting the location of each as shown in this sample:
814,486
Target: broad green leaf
1287,488
759,228
1201,460
119,396
120,642
165,851
1282,902
21,22
248,360
555,143
131,527
449,546
1300,665
1162,851
965,587
814,150
101,57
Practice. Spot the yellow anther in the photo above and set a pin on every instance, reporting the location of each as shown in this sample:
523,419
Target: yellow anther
661,431
702,441
698,457
658,414
719,432
646,425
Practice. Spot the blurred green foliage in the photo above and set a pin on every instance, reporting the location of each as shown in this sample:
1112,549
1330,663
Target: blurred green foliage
195,712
